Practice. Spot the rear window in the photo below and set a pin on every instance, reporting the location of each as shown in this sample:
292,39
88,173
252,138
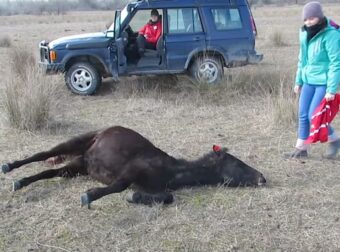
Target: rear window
184,20
226,18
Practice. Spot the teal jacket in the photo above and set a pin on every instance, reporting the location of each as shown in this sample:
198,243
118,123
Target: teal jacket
319,59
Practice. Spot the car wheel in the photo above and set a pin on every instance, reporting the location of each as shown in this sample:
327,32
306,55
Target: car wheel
207,70
83,78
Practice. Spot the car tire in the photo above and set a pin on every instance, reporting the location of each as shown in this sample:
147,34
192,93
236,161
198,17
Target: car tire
82,78
208,70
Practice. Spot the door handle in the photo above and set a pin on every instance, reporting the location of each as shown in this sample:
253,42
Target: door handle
197,38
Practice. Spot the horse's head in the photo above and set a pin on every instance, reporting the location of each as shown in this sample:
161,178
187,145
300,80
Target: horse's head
234,171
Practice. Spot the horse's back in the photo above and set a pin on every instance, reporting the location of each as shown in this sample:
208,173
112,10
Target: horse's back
113,149
120,137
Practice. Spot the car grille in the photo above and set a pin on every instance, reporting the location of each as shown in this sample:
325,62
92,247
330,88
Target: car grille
44,53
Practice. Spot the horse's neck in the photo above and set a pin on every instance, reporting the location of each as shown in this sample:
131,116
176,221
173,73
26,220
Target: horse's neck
192,173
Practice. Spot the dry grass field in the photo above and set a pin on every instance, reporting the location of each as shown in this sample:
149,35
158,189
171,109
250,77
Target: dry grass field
252,114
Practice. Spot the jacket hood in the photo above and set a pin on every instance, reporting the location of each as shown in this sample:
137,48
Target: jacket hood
88,40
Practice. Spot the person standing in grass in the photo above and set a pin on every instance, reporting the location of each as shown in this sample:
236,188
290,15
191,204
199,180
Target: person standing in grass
318,74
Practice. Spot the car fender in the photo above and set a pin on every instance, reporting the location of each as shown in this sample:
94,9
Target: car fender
71,55
206,50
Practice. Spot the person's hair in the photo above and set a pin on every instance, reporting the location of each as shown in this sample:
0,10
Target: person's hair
154,12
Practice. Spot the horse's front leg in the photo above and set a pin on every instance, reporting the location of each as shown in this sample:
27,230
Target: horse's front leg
95,193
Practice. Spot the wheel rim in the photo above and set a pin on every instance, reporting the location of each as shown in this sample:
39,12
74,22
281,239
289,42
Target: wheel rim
208,72
81,79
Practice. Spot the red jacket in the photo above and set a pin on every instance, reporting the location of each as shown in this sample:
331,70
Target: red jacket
152,31
322,117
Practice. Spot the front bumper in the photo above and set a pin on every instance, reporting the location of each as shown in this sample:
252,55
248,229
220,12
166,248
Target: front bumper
50,68
45,62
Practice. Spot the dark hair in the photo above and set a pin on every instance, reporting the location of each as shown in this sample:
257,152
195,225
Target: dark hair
154,12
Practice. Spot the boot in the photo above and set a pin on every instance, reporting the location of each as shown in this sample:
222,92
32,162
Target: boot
333,149
297,153
141,52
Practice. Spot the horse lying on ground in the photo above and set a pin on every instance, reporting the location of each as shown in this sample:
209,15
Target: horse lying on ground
120,157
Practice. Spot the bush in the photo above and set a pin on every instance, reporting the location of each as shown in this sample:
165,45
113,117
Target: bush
30,98
277,39
5,41
275,84
283,105
20,60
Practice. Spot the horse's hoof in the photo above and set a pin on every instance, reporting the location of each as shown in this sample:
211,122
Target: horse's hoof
134,197
85,200
129,197
169,199
5,168
16,186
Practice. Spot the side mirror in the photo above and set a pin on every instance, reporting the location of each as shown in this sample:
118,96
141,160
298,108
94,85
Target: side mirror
110,34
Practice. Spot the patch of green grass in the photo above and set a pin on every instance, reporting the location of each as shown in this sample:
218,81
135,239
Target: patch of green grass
2,243
64,236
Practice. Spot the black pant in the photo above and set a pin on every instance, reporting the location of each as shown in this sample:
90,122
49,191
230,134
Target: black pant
143,44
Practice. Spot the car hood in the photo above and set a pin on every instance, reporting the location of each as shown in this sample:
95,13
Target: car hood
81,41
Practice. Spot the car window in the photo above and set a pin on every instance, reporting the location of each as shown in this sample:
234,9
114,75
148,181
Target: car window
140,19
123,14
226,18
184,20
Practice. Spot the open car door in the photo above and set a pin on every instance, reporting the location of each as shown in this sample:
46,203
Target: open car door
117,56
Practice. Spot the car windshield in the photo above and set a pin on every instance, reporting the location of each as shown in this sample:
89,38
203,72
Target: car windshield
124,13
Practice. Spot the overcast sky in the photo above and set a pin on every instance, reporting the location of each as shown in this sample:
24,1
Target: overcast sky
5,1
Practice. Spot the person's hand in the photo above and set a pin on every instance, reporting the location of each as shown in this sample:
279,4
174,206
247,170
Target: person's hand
297,89
145,36
329,97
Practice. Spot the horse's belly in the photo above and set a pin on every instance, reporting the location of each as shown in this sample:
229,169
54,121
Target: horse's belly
102,175
100,171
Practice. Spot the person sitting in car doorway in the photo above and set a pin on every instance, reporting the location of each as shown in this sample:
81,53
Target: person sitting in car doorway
149,34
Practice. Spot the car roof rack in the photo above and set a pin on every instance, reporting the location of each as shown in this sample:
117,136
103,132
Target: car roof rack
139,1
231,2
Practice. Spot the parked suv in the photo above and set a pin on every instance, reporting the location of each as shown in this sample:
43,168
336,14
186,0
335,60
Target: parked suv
199,37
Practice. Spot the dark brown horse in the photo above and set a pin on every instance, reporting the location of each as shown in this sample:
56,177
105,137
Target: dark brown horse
120,157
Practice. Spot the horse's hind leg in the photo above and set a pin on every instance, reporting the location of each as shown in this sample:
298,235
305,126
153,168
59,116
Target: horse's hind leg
72,169
75,146
149,199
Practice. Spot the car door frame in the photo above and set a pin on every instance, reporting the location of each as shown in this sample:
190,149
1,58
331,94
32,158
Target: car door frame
179,38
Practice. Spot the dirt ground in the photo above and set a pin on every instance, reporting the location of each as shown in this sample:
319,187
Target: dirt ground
299,209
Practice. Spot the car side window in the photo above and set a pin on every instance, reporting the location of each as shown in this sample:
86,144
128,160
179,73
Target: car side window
226,18
140,19
184,20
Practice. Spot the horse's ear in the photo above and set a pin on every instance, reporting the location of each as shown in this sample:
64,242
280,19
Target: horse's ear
219,150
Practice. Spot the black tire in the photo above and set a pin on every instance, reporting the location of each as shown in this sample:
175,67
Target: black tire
83,78
207,69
